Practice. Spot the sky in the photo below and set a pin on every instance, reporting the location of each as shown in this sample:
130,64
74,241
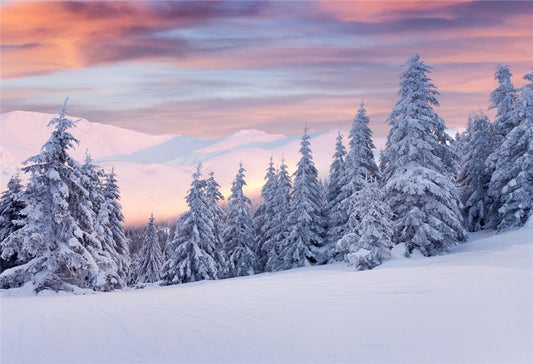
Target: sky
208,69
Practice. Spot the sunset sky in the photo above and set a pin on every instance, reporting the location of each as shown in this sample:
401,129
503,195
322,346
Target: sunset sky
211,68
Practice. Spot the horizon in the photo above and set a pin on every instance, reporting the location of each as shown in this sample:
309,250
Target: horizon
211,69
158,182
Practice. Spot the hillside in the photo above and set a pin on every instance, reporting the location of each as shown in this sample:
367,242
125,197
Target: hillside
154,171
471,306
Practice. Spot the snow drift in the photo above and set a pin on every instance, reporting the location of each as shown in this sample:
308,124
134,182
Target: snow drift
471,306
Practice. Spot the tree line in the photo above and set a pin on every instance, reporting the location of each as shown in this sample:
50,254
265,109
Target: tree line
64,229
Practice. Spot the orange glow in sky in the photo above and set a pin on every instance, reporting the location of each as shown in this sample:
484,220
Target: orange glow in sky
210,68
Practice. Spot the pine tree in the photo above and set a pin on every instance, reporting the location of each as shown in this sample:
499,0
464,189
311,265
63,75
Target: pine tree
336,216
351,229
11,217
114,259
92,181
192,252
360,165
150,258
511,184
418,165
239,234
504,99
50,245
264,217
80,203
473,176
218,218
304,243
457,143
83,201
370,245
92,178
279,229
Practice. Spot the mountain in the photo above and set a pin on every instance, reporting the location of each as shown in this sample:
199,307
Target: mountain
154,171
473,305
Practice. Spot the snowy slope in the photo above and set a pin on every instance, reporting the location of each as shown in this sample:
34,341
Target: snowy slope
154,170
474,305
23,133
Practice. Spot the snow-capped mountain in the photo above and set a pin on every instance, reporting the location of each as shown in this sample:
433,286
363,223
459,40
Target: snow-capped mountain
154,171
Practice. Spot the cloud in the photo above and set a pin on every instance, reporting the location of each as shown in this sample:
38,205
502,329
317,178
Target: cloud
379,11
210,68
81,34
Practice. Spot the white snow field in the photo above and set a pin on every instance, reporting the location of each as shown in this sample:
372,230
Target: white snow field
474,305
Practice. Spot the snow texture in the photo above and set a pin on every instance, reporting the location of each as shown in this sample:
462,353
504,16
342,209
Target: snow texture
471,306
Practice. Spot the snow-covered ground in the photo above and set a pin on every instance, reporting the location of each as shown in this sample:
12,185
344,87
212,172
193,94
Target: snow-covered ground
474,305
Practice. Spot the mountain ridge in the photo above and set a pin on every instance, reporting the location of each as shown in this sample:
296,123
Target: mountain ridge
154,171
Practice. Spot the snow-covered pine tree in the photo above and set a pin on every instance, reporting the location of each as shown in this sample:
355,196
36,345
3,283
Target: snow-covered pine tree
80,205
305,242
264,217
115,257
371,244
192,253
323,203
418,165
336,216
50,245
238,235
511,184
83,200
473,176
92,180
458,142
213,196
11,217
279,229
86,203
150,258
504,99
359,166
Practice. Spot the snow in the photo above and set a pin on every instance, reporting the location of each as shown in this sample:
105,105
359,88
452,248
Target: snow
247,136
361,253
471,306
23,134
154,171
